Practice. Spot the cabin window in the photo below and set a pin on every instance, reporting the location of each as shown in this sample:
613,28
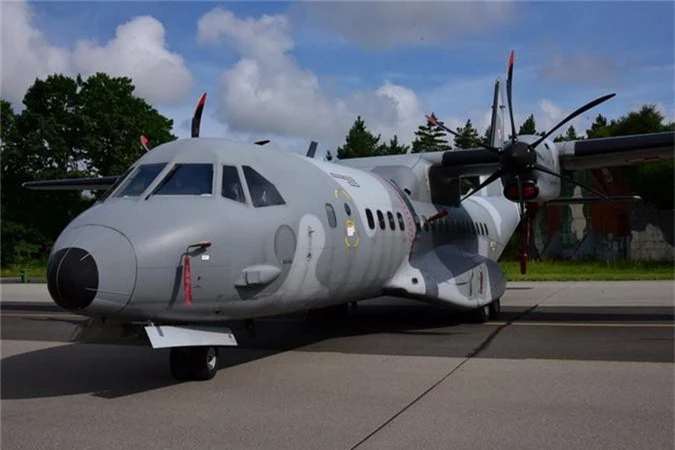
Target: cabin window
263,192
401,224
417,224
232,187
380,219
371,221
392,224
330,212
139,181
187,179
348,210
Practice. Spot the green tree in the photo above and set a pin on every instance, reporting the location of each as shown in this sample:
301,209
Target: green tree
599,128
570,135
529,126
467,136
429,138
68,128
111,134
653,181
359,142
394,147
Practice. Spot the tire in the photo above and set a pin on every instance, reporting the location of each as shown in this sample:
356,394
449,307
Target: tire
179,363
495,309
481,315
204,362
193,363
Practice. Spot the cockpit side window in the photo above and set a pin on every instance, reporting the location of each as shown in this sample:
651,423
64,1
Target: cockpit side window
187,179
232,187
140,179
263,192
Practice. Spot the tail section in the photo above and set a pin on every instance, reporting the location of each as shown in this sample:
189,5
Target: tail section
496,136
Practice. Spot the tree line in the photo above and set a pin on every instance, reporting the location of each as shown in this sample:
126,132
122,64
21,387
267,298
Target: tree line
72,127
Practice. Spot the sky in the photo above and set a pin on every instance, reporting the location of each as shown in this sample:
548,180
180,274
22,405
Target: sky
299,71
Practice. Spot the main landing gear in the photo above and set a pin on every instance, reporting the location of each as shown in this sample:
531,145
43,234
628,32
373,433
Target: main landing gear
193,363
487,312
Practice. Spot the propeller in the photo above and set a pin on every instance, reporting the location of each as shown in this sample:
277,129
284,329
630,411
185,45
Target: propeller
518,162
197,116
145,142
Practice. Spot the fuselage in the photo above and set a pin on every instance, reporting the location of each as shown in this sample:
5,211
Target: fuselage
285,233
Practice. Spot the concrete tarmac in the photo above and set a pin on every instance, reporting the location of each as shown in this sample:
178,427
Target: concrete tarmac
568,365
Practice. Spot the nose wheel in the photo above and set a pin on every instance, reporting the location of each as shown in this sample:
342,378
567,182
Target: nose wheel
193,363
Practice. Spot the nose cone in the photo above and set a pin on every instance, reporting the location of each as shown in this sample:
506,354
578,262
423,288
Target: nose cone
72,278
92,269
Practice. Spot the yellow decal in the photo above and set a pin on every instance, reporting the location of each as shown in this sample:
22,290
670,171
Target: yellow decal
352,239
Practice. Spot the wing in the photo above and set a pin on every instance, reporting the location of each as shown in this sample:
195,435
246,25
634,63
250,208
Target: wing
574,155
71,184
616,151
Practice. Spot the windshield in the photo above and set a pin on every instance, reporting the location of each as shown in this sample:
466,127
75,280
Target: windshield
187,179
139,181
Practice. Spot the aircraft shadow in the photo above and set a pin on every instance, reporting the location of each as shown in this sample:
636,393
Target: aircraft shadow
112,371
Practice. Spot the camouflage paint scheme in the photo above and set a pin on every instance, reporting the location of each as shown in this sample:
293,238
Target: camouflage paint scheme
138,243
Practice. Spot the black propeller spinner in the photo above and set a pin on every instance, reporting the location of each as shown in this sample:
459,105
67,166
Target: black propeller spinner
518,162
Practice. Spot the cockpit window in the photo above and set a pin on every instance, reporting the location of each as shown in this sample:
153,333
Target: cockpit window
263,192
232,187
187,179
139,180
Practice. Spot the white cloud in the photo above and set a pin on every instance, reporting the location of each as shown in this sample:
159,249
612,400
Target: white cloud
266,91
138,51
386,24
581,68
26,54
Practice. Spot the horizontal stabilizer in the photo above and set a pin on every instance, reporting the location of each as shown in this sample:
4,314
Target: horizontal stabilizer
71,184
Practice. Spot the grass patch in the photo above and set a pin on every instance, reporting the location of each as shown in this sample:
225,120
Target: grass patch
590,270
536,270
36,269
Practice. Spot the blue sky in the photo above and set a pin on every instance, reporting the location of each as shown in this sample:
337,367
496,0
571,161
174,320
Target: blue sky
296,71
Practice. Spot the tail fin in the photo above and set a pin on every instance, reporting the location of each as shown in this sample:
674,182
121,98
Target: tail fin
497,123
496,137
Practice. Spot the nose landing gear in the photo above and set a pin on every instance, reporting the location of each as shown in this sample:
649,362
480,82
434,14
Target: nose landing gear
193,363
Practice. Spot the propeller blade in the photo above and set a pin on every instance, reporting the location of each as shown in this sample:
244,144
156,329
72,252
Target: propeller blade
571,180
489,180
509,88
581,110
521,202
312,149
434,121
197,117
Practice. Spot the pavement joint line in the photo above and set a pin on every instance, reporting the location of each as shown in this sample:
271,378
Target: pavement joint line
589,325
485,344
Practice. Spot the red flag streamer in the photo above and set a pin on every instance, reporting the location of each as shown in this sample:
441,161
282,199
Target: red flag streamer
187,281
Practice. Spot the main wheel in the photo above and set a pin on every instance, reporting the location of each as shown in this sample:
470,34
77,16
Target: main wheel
481,315
495,309
193,363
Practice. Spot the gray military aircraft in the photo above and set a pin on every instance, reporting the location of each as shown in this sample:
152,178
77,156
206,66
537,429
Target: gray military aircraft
199,232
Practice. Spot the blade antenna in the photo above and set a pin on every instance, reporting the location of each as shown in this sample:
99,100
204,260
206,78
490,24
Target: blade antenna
312,149
509,85
197,117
